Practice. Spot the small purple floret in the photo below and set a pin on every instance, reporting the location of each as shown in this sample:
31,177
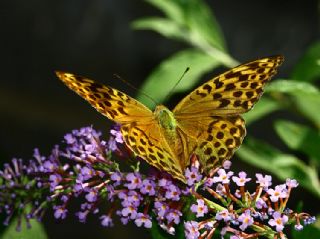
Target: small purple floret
246,220
191,230
241,180
200,208
278,221
143,219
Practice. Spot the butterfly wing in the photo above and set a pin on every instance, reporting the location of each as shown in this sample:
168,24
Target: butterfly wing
231,93
110,102
213,138
140,130
209,115
147,141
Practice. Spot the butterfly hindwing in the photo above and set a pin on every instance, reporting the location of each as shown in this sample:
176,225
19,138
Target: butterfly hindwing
214,139
231,93
147,141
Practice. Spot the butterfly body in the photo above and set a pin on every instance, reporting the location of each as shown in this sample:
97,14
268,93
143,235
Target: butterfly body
165,118
207,122
168,128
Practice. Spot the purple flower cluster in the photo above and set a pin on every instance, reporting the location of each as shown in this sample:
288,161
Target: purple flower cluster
21,184
236,212
84,168
143,197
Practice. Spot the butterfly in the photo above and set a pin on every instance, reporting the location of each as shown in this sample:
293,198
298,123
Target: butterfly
206,123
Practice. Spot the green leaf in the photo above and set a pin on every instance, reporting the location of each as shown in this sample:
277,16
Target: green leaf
165,76
203,24
165,27
291,86
159,233
192,18
263,107
172,9
299,137
35,232
308,232
308,104
190,21
282,165
305,97
308,68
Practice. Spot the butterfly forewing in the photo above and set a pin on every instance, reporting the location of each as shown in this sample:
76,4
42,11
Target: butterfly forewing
110,102
231,93
139,128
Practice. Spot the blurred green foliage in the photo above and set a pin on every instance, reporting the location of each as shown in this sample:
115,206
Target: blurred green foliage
36,231
193,23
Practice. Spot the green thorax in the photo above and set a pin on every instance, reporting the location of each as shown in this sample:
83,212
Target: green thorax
165,118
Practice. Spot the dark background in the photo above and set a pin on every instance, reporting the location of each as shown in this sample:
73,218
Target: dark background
94,38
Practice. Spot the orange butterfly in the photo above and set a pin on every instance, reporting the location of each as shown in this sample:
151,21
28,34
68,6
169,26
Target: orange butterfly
206,122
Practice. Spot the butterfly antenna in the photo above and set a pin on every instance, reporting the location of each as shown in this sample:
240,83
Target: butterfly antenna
135,88
173,88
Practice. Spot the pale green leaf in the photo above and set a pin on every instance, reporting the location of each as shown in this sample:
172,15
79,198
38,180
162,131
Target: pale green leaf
36,231
172,9
165,76
203,24
304,96
262,108
291,86
299,137
309,231
165,27
308,104
308,68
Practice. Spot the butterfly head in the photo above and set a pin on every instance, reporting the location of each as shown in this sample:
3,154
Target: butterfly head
165,117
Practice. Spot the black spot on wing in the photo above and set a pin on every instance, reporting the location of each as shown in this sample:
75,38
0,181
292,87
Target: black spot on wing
230,86
208,151
121,110
106,103
201,94
222,151
224,103
249,94
220,135
218,83
207,87
244,84
217,96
